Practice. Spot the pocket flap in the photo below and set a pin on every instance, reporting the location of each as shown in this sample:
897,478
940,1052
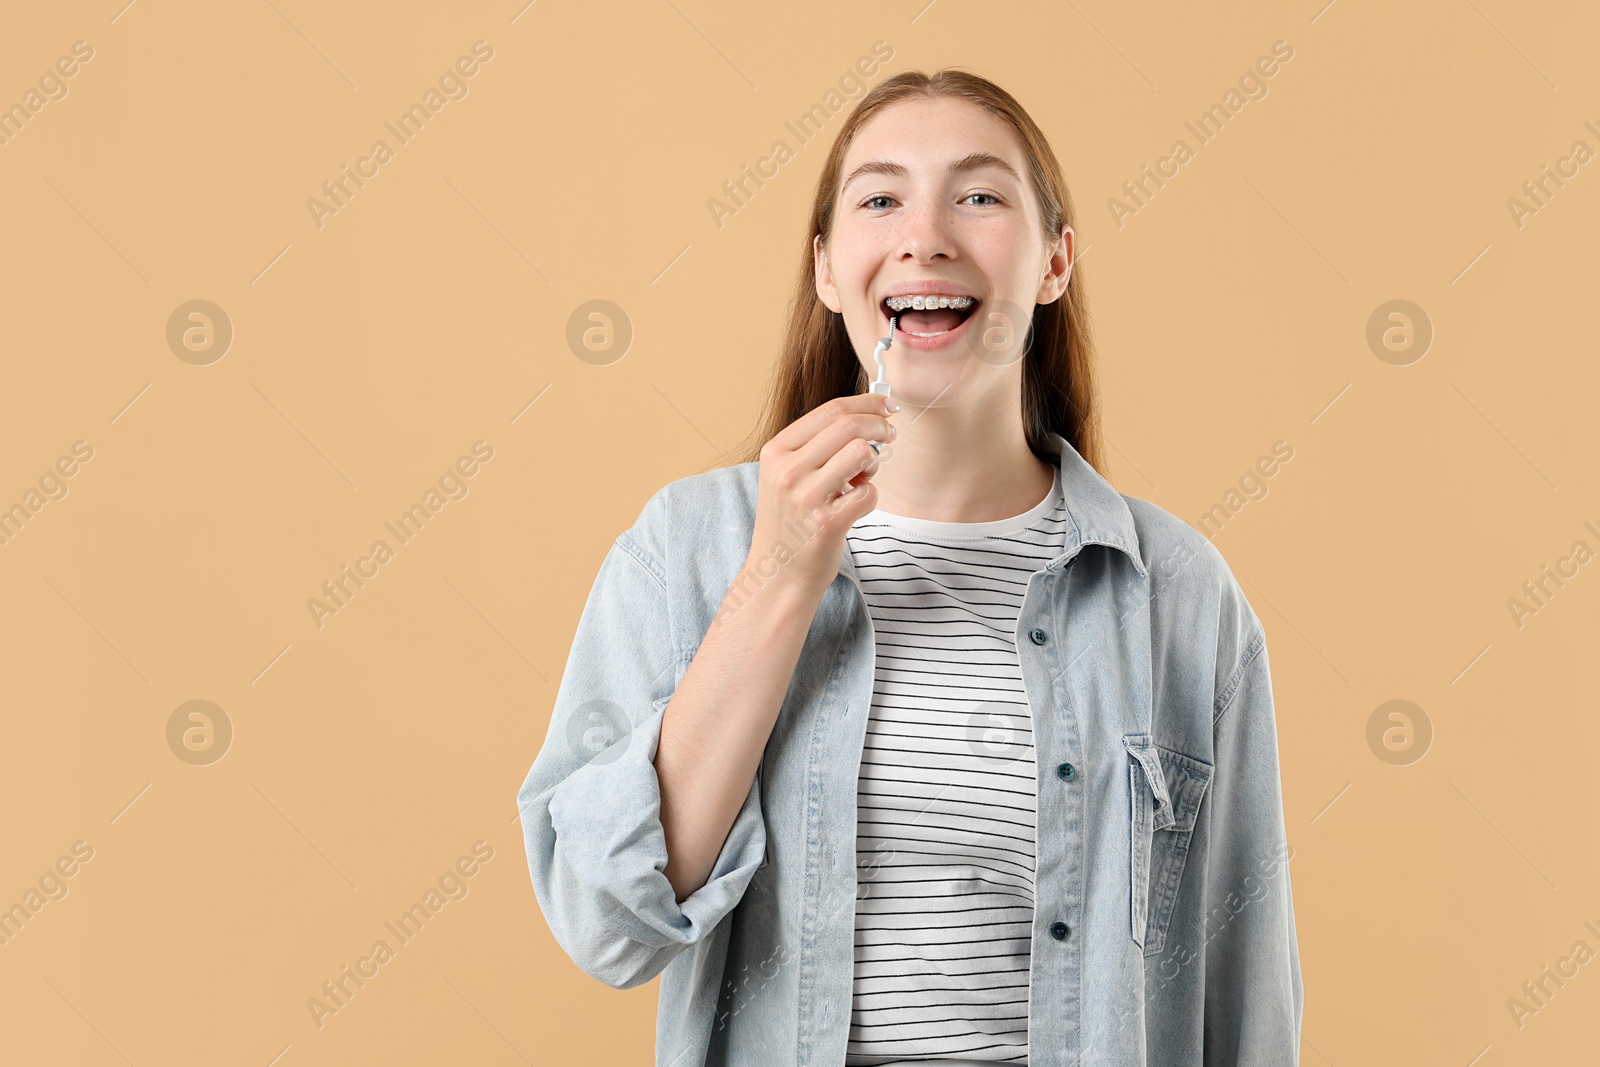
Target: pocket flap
1177,781
1140,748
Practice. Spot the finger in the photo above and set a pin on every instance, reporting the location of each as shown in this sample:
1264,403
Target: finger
868,426
849,507
854,461
795,435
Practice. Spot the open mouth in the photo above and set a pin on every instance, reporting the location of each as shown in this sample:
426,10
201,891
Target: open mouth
929,322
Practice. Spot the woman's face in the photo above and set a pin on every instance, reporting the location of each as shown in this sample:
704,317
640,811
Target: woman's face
935,200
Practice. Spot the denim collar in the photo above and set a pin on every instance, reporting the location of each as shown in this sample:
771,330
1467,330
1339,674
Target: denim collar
1098,511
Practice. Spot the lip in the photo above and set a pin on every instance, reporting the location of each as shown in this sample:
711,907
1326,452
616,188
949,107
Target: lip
930,288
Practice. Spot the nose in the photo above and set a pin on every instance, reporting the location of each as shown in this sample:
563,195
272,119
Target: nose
924,235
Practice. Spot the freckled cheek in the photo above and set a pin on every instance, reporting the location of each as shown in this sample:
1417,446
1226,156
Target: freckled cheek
858,267
1003,253
860,242
994,247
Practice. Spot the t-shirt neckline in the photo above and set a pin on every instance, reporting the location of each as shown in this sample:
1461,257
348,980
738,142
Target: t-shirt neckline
964,531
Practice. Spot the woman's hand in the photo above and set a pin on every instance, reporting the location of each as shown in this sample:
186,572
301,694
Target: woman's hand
815,482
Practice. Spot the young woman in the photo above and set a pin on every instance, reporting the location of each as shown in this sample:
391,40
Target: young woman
947,753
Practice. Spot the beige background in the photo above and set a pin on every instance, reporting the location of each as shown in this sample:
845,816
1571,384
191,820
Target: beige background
369,754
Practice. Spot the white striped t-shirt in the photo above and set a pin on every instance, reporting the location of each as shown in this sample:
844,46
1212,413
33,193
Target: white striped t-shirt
946,797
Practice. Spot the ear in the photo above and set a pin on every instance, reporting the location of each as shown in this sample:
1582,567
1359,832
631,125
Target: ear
824,275
1058,268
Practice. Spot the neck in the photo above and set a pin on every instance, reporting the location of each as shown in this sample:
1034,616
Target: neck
950,467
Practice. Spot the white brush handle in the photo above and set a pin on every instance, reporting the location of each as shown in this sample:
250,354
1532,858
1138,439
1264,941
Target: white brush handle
881,386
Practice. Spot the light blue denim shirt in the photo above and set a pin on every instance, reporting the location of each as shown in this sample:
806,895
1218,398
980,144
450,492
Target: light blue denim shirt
1163,929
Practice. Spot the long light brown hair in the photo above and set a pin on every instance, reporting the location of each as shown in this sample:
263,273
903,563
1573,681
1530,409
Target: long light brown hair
818,363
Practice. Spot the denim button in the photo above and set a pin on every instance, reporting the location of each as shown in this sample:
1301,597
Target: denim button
1066,772
1058,930
1039,636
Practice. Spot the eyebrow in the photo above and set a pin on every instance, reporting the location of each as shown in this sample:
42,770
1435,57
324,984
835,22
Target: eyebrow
971,161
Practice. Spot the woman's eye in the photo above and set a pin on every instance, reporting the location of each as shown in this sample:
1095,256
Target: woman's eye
991,196
868,202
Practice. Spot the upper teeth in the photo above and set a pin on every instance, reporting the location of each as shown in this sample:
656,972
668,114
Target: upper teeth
927,303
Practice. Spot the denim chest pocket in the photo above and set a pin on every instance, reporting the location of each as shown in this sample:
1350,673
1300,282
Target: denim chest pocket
1166,788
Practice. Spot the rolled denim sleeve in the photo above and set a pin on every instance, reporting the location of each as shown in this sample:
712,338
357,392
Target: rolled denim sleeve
1254,995
591,804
